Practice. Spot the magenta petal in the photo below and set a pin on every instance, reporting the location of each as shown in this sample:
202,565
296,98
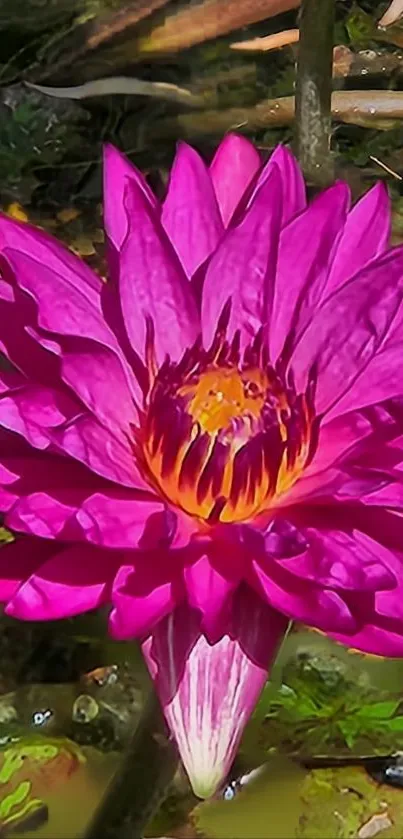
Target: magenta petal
7,499
69,307
337,438
10,380
348,332
65,303
18,561
112,309
365,236
380,626
36,470
47,491
373,639
41,514
31,409
19,342
358,439
153,284
209,592
190,213
319,607
389,604
95,373
208,692
243,267
117,171
294,194
232,169
142,596
46,250
75,580
293,182
306,244
386,495
378,379
92,444
7,475
338,560
116,520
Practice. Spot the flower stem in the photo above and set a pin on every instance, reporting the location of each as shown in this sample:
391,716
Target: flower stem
138,787
314,89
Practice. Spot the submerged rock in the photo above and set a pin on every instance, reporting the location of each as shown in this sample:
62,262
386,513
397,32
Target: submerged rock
346,803
30,767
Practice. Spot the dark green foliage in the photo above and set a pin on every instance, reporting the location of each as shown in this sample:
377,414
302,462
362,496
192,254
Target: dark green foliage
321,709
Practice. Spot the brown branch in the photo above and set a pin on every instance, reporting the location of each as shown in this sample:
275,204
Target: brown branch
358,107
195,23
93,33
392,14
268,42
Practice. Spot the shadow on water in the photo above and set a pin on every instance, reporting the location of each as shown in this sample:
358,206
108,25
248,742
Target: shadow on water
267,808
71,805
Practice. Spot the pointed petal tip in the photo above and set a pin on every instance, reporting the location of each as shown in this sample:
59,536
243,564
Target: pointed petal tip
109,149
382,188
183,146
234,142
190,212
117,170
116,626
113,157
206,784
234,165
282,152
377,197
113,154
340,191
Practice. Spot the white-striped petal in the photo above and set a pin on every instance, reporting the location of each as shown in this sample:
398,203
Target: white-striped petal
208,692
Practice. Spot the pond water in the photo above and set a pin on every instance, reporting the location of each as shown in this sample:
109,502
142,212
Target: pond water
69,697
303,768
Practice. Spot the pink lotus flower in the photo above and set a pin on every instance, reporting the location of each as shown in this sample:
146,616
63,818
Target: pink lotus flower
213,440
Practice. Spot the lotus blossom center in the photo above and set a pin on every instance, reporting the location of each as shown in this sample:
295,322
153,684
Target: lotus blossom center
220,395
223,434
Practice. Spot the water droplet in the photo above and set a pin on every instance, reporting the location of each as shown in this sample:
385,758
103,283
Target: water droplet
41,717
85,709
229,792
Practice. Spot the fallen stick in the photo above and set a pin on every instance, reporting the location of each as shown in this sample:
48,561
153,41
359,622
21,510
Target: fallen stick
121,85
377,108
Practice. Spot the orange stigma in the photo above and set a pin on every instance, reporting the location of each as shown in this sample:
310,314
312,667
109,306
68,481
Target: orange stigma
220,395
223,435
